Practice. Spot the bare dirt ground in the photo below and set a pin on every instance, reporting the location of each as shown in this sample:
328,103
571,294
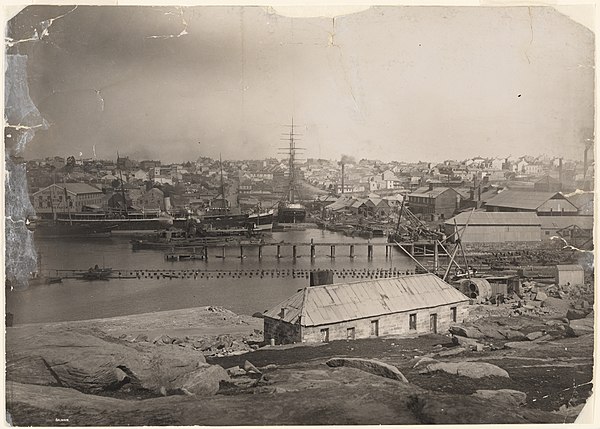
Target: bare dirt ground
169,369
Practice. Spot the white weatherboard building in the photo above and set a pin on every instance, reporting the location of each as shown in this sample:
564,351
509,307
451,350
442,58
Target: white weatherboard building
494,227
408,305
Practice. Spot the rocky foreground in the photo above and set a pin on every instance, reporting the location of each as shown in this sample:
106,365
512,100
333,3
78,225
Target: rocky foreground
205,366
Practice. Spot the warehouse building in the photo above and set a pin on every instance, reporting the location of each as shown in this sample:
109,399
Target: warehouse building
433,203
491,227
66,198
410,305
542,203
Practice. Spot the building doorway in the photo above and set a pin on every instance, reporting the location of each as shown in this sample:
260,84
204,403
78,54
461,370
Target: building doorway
433,323
325,335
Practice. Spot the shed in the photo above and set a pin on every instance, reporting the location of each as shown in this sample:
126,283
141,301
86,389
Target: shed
494,227
569,274
408,305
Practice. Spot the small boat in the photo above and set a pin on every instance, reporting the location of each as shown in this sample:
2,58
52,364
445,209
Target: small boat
96,273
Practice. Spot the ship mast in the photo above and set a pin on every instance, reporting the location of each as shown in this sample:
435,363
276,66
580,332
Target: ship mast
122,186
291,152
291,164
222,183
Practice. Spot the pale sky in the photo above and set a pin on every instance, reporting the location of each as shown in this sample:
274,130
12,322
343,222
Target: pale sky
389,83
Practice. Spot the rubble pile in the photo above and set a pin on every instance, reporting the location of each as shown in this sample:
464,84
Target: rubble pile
218,346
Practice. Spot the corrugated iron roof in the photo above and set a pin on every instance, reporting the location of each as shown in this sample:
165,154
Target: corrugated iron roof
569,267
584,201
426,192
521,199
559,222
496,218
320,305
75,188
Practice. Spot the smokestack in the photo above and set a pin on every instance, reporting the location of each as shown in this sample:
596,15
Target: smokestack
585,161
560,172
342,178
321,277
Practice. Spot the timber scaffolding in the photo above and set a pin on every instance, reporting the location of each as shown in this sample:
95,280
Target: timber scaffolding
425,248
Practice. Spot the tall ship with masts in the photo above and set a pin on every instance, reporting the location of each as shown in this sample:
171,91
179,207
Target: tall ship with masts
290,210
222,220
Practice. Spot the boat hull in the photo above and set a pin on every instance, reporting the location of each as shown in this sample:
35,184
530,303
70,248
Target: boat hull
60,229
291,215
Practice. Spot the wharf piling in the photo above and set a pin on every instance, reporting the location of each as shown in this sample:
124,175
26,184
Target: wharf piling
196,274
414,249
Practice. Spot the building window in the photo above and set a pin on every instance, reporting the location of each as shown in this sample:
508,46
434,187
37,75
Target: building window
350,333
412,322
374,328
547,232
325,335
453,313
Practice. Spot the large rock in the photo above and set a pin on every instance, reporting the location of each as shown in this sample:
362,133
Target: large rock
540,296
556,303
574,314
467,369
467,342
490,332
91,364
204,381
521,345
30,370
509,396
236,371
369,365
581,327
465,331
435,408
534,335
250,368
454,351
512,335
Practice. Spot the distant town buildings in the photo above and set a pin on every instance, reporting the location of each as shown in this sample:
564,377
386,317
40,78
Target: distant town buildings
367,190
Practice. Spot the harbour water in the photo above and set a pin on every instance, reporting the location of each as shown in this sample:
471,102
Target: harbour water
75,299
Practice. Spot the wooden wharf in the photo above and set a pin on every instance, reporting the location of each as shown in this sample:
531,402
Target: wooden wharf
413,249
268,273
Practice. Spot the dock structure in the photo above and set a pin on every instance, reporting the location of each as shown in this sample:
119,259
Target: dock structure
415,249
267,273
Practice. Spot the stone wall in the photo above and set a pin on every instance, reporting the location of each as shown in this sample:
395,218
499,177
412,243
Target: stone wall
282,332
390,324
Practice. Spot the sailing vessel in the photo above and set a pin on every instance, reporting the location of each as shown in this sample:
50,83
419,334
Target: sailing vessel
221,221
289,210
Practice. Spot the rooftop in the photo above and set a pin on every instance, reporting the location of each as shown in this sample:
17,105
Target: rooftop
76,188
522,199
560,222
320,305
426,192
496,218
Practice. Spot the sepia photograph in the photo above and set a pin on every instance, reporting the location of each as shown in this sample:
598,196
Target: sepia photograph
299,215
